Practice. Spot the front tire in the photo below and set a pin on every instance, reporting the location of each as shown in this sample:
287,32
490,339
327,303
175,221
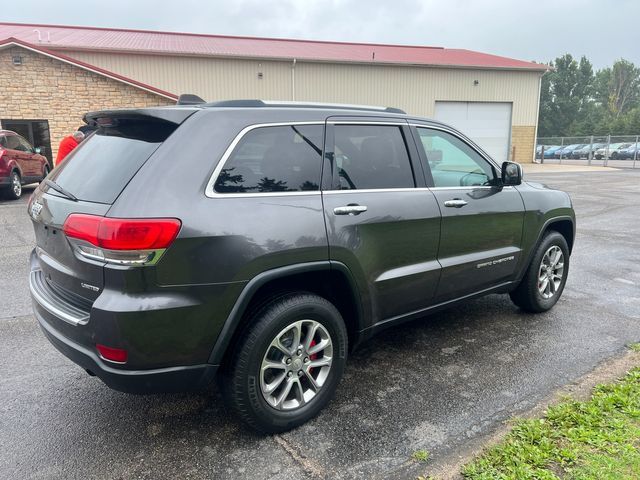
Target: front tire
287,364
546,276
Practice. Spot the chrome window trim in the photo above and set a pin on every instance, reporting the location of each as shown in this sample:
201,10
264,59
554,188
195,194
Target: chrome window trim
415,189
476,187
210,189
211,193
466,140
376,190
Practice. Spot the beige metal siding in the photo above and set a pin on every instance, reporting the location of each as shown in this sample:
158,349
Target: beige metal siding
211,78
414,89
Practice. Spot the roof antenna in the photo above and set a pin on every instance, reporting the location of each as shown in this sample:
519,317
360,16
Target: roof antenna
373,56
48,37
39,36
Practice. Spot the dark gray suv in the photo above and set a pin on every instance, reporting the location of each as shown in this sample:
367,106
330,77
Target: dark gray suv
260,243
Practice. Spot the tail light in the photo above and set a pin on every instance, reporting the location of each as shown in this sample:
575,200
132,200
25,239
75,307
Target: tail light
124,241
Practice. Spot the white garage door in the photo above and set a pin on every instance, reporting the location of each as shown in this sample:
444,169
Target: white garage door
486,123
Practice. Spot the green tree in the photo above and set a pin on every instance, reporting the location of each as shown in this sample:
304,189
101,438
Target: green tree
575,101
618,88
565,91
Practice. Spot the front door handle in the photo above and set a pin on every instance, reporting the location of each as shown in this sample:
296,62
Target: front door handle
455,203
350,210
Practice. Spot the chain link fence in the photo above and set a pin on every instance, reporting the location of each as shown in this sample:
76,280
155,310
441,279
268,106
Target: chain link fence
621,151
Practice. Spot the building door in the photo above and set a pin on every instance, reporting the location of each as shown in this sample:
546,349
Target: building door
486,123
36,132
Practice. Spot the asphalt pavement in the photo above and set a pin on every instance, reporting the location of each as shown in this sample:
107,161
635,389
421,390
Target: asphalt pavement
444,383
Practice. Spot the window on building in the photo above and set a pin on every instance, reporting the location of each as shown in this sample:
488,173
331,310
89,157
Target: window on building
453,163
285,158
36,132
371,156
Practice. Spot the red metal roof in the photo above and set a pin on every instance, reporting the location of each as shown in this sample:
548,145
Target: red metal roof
11,41
169,43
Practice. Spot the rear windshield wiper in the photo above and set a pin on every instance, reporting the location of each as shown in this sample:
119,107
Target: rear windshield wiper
58,188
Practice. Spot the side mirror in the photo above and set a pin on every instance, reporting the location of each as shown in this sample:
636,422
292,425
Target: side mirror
511,173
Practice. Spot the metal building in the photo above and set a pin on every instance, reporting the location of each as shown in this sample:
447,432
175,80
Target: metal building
492,99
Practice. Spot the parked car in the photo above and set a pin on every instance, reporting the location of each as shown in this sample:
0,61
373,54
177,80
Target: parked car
262,242
611,152
629,153
539,149
565,152
550,151
584,151
20,164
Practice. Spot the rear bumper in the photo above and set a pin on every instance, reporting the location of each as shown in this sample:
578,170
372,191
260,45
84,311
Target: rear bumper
173,379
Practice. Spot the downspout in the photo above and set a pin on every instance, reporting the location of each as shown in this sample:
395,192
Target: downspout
293,80
535,137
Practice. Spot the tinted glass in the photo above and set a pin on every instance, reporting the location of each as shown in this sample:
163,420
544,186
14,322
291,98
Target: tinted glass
24,145
371,156
102,165
453,163
13,142
274,159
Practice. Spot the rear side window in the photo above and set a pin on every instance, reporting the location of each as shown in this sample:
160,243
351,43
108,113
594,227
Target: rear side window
371,157
13,143
284,158
102,165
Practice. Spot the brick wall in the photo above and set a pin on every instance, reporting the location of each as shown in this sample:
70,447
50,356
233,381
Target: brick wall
43,88
523,139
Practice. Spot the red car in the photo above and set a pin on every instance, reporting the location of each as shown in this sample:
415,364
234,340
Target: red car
20,164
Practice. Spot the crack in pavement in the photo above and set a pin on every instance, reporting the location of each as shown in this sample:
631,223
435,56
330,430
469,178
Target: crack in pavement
310,466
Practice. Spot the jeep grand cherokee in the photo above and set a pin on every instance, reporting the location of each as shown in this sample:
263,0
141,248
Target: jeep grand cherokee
260,243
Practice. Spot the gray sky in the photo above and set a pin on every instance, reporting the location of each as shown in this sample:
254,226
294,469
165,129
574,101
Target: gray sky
528,30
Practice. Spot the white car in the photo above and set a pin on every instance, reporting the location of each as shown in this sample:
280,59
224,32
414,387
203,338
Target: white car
612,151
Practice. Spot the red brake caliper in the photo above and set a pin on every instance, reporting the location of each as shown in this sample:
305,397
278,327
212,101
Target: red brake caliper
314,356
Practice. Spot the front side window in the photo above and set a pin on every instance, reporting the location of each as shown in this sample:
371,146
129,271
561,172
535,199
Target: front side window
284,158
453,163
371,157
24,145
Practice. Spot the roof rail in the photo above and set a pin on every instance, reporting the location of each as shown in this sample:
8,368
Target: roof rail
278,103
189,99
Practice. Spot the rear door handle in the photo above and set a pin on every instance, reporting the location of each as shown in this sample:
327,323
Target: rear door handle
455,203
350,210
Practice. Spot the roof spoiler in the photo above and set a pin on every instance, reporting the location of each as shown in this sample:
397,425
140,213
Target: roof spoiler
189,99
167,114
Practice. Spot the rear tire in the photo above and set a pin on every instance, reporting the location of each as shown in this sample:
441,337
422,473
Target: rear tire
286,366
546,276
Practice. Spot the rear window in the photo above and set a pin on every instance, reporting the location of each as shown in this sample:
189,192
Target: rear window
102,165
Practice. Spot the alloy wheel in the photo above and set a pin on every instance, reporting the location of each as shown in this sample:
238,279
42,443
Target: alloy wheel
296,365
551,272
